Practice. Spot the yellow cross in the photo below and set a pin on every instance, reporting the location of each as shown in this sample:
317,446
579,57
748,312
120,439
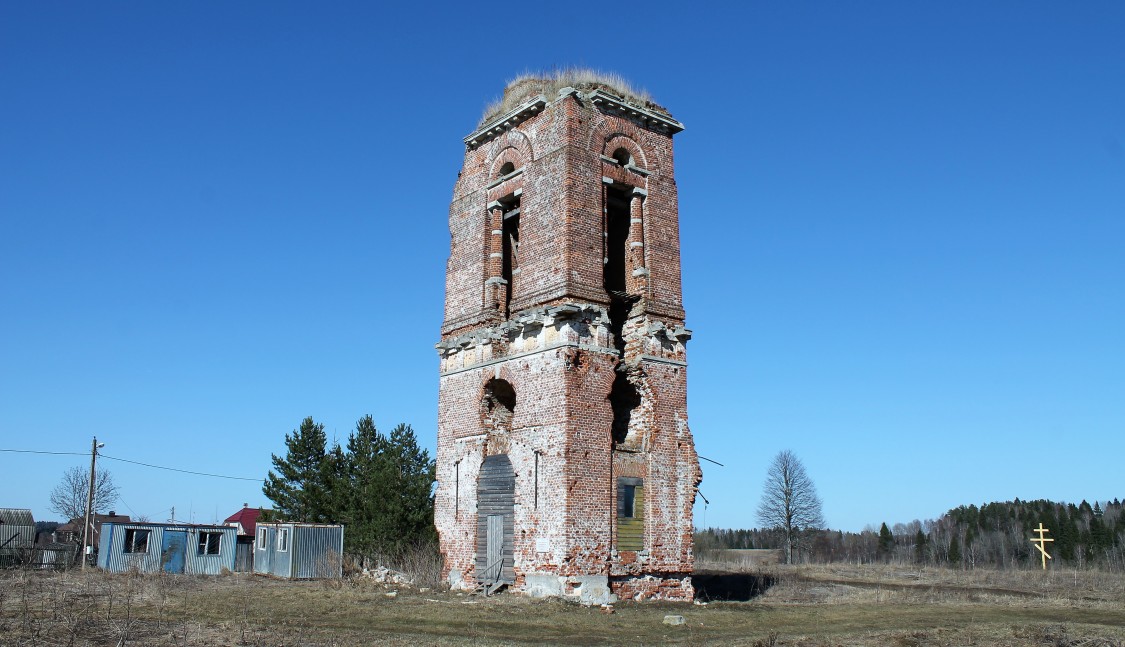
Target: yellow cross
1040,542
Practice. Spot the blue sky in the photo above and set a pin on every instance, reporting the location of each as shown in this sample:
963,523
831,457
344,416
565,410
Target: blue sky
902,230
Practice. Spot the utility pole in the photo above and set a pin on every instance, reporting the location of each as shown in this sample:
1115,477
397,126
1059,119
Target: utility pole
90,498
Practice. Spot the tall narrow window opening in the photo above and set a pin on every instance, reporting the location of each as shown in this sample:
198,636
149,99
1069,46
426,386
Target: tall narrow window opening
616,250
623,395
510,267
617,240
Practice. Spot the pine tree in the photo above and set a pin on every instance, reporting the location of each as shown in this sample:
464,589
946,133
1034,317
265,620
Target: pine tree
337,489
1099,540
955,552
366,509
298,490
379,486
1067,537
886,544
920,546
1084,509
389,507
412,478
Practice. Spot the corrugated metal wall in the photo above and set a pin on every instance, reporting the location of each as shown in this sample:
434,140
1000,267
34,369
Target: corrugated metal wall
262,541
318,552
17,528
111,550
311,551
268,560
163,551
197,564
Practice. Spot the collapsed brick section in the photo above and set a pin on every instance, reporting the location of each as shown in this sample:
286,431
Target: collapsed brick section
563,351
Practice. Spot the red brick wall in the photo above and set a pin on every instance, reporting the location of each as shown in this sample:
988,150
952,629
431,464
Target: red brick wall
561,363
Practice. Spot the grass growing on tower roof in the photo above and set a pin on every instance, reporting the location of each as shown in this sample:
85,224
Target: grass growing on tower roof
529,84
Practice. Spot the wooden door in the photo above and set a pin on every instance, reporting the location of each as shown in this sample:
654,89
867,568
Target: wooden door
494,553
496,490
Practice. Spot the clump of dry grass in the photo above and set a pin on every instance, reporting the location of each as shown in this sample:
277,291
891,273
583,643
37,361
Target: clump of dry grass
529,84
420,563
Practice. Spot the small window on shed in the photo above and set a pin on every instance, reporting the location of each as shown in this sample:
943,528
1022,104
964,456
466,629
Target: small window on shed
261,538
282,539
136,541
209,543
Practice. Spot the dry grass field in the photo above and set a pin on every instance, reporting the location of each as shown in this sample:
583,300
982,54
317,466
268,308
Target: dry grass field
809,606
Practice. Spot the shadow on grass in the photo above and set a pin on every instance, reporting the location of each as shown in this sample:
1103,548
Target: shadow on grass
731,587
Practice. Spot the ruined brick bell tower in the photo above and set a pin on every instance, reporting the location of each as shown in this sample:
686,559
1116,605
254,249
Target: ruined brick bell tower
565,463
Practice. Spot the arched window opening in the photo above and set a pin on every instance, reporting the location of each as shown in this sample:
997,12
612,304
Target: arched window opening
498,405
507,168
623,157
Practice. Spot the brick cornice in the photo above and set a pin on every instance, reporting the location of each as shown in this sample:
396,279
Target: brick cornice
643,116
505,122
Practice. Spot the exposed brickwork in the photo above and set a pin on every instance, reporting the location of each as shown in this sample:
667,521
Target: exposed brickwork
558,335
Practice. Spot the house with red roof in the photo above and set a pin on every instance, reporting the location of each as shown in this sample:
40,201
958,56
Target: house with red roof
246,521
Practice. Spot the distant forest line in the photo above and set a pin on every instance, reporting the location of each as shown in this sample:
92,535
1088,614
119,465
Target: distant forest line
994,534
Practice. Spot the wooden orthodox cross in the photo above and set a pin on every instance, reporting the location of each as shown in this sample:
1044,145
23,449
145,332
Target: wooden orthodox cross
1041,542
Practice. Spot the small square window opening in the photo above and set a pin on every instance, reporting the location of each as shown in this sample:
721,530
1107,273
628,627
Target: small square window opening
136,541
209,543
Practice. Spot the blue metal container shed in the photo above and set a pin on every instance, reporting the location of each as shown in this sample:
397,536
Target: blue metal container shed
172,548
299,551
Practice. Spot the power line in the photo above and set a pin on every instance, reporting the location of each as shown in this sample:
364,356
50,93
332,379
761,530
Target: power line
127,506
126,460
174,469
36,451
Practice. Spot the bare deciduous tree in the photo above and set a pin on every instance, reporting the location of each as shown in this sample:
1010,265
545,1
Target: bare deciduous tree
69,496
789,500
